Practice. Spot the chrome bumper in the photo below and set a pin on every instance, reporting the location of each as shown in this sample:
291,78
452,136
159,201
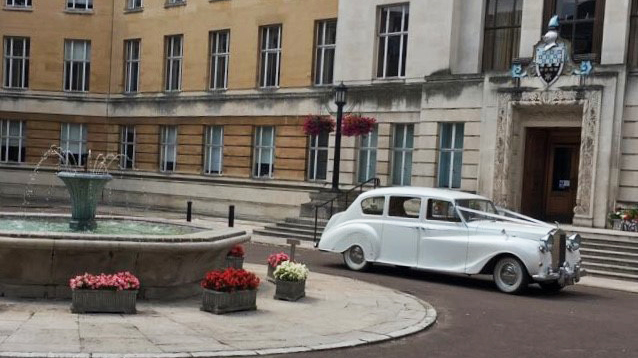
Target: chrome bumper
566,275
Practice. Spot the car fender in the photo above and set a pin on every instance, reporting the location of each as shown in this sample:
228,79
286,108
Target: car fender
341,238
525,250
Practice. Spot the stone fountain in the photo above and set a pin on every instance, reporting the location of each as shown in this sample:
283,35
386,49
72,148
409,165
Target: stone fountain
85,190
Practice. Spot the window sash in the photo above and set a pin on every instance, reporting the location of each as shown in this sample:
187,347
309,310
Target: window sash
402,154
132,65
73,143
385,36
79,4
551,7
318,157
168,148
368,157
214,150
134,4
77,65
220,55
324,53
12,139
264,152
16,63
270,56
174,56
451,155
127,147
18,3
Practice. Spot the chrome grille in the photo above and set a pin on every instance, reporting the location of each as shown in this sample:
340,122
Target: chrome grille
559,249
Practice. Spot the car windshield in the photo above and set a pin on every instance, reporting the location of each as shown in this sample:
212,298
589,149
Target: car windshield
485,206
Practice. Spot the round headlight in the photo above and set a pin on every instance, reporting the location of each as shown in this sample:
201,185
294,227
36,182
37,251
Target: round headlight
548,242
574,242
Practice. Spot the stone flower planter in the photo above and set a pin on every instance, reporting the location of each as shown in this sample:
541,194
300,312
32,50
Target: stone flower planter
234,262
270,275
290,290
103,301
617,224
219,302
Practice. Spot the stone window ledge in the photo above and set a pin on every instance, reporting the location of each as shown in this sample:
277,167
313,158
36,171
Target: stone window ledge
78,12
177,4
133,10
18,8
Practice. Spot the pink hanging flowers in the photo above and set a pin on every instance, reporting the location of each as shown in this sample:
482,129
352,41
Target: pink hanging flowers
315,125
355,125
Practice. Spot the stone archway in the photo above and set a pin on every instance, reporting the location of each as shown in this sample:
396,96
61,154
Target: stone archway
590,101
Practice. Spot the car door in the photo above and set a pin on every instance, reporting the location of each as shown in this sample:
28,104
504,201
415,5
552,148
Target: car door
401,230
443,243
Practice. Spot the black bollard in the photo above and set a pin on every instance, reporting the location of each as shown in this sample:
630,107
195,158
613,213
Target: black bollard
231,216
189,210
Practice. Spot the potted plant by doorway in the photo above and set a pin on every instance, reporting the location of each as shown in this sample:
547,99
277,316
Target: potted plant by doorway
273,261
290,278
235,257
114,293
229,290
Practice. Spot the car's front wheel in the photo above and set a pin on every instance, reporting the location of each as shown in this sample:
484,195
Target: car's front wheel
510,275
355,258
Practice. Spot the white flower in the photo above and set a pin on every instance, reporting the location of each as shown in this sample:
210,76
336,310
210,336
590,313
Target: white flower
291,271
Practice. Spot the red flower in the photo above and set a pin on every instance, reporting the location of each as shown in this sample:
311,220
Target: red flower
236,251
315,125
357,125
230,280
275,259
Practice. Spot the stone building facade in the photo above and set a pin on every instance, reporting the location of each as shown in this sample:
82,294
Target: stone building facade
210,97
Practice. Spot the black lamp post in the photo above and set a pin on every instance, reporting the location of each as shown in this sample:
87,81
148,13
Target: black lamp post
340,101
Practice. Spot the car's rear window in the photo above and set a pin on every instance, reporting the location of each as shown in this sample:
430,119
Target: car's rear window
373,205
404,206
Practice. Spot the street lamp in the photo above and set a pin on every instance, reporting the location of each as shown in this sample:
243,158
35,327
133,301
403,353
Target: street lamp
340,100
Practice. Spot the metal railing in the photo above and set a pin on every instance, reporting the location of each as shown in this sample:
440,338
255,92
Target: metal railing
375,182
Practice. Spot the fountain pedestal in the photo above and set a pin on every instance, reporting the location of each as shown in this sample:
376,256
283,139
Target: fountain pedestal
85,190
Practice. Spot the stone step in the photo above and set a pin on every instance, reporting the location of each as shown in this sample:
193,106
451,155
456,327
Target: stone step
609,239
284,234
612,275
299,226
608,253
606,246
306,221
298,230
610,268
608,260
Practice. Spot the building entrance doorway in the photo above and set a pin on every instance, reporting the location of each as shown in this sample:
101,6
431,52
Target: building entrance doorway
550,175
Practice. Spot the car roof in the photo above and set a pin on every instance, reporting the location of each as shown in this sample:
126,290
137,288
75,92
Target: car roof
422,191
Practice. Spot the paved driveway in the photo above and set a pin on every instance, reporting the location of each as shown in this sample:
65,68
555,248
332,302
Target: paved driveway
476,320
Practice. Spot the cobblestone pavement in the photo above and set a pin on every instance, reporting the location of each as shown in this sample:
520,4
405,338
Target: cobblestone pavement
336,312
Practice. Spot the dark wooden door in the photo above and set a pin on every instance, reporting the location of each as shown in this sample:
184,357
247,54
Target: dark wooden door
534,173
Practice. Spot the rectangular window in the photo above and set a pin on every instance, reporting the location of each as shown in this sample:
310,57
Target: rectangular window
12,139
176,1
18,3
134,4
404,207
318,156
220,52
368,156
393,40
174,56
264,156
127,147
77,65
633,36
73,144
451,155
325,51
270,56
402,154
502,34
581,22
16,62
168,148
79,5
214,150
132,65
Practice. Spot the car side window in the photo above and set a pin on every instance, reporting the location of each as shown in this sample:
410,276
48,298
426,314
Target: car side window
373,205
441,210
404,206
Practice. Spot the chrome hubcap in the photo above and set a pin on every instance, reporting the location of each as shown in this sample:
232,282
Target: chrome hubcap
509,274
356,255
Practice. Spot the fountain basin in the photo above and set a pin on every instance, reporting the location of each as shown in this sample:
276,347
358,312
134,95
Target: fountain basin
39,264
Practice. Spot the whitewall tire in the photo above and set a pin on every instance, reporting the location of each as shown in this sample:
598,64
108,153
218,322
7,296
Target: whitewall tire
510,275
355,258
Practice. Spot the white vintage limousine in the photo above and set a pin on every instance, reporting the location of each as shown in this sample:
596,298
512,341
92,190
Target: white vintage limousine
456,232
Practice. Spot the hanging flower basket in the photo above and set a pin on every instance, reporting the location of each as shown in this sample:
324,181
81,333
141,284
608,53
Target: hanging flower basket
354,125
315,125
235,257
104,293
229,290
